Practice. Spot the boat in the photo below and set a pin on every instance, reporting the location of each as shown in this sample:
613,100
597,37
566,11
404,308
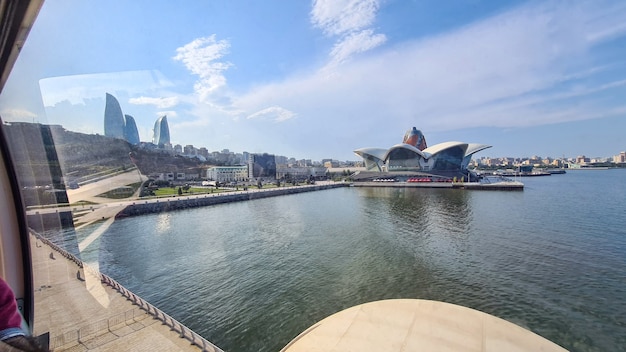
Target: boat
587,166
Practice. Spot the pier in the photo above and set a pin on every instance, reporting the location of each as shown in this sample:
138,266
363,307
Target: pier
495,186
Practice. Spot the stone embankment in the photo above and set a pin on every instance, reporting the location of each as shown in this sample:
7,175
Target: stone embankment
499,186
180,203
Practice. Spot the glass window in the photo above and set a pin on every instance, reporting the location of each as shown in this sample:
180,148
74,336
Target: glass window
167,157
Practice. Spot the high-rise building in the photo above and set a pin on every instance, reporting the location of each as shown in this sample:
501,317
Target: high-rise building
130,130
262,166
118,125
161,135
113,118
189,149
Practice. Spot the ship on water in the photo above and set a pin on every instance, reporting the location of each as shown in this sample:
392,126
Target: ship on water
587,166
525,171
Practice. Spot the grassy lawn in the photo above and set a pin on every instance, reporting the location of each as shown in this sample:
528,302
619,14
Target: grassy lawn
82,203
121,193
169,191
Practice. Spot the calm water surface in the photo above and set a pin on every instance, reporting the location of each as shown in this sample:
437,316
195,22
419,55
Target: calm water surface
250,276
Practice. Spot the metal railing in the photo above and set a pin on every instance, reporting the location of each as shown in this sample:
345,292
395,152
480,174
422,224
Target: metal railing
105,325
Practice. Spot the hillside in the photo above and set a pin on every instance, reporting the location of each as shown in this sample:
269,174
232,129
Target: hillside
51,155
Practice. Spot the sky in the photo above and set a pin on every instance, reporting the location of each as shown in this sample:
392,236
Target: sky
319,79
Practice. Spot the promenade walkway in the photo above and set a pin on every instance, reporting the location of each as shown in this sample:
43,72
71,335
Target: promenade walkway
85,311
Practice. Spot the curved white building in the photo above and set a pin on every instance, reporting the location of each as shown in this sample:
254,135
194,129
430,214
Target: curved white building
447,159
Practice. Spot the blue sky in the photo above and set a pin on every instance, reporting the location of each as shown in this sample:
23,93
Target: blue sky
321,79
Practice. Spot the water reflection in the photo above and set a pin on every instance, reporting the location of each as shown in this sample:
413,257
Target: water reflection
163,223
449,207
250,276
434,216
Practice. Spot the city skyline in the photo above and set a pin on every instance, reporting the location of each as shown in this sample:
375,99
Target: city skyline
114,120
321,78
119,125
357,159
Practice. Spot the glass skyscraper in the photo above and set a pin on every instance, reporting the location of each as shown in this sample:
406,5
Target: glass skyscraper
113,118
130,130
118,125
262,166
161,135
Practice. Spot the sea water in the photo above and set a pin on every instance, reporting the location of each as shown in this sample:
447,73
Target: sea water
252,275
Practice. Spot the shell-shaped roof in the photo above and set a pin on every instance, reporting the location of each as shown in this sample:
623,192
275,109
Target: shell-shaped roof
378,153
437,148
475,148
404,146
383,154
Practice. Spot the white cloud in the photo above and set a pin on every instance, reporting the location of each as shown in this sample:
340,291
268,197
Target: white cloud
201,57
609,25
275,113
540,63
355,43
78,88
160,103
18,115
349,20
169,114
531,65
338,17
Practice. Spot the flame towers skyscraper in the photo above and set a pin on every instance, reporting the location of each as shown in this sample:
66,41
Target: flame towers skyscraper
118,125
113,118
130,130
161,135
